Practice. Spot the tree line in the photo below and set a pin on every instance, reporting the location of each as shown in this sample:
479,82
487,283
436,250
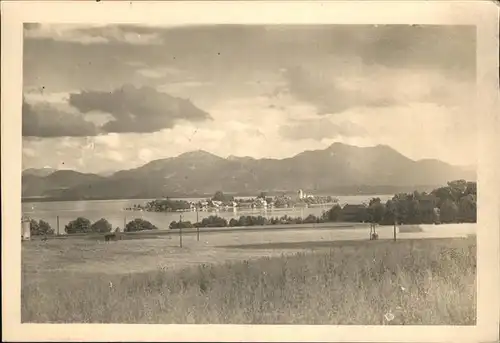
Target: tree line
454,203
216,221
83,225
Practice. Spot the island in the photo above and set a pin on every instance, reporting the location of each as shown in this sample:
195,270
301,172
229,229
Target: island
222,202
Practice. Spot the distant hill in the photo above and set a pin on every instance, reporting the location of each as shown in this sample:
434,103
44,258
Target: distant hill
56,183
38,171
339,169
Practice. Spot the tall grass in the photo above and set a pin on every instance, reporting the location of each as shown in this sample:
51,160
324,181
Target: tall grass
404,282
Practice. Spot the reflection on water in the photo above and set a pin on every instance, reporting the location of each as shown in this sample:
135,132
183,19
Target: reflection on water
113,211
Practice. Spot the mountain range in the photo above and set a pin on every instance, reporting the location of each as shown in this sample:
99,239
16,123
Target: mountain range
338,169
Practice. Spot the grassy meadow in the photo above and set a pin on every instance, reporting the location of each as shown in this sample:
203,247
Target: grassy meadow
410,281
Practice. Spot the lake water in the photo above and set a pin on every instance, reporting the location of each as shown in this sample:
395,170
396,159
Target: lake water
113,211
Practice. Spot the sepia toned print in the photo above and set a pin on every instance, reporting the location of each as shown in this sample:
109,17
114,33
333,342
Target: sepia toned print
249,174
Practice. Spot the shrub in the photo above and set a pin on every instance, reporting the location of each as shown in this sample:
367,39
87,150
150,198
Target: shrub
243,221
286,219
139,225
311,219
40,228
182,224
34,227
102,225
233,222
260,220
213,221
79,225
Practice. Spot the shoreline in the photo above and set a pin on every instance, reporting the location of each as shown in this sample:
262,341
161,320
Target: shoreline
343,226
237,209
184,197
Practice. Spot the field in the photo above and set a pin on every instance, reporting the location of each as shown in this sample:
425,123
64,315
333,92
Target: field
297,277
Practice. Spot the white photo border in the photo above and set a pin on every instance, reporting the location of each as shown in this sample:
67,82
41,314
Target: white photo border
482,14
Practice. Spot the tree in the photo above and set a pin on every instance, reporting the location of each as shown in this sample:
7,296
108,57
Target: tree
219,196
471,189
242,221
311,219
448,211
400,208
416,195
443,194
213,221
259,220
389,213
233,222
41,228
167,205
79,225
281,202
376,210
413,214
262,195
102,225
34,227
436,215
333,214
139,225
457,189
459,185
467,209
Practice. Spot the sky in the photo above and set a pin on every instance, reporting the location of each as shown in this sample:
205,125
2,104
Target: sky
100,98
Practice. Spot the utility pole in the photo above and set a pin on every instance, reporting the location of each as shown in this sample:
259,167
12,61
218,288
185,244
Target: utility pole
197,225
180,229
124,222
57,226
395,220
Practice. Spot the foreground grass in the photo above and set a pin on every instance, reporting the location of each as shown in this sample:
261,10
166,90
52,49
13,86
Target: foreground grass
384,282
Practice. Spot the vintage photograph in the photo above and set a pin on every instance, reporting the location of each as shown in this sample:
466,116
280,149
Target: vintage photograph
249,174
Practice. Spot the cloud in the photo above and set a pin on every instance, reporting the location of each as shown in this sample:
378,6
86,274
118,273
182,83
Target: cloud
337,87
45,120
420,130
109,141
394,81
33,95
29,152
158,73
92,34
62,33
320,129
114,156
140,110
417,130
145,154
